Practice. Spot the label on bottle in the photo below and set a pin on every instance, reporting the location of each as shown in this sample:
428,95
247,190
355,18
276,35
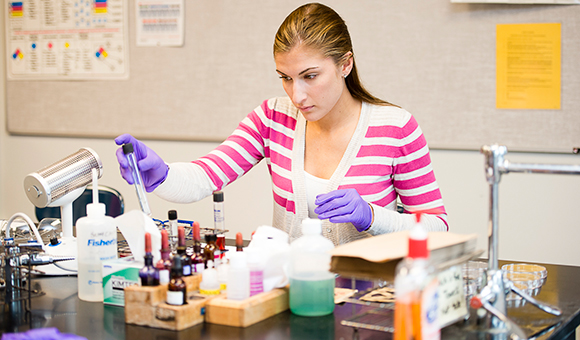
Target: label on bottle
199,267
209,291
175,297
186,270
429,322
163,276
256,282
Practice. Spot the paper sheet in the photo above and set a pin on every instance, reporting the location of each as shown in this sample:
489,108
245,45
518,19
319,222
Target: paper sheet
528,58
159,22
61,40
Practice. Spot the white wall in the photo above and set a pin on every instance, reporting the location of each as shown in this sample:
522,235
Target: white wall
537,212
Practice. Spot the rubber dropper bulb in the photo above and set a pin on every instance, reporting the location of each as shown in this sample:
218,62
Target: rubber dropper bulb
147,243
196,231
164,240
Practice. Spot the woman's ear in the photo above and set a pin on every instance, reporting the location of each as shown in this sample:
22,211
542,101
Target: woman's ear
347,63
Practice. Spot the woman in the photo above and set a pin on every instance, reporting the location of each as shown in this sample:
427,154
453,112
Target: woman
334,151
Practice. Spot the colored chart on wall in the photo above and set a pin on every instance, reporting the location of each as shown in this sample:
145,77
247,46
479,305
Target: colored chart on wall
67,39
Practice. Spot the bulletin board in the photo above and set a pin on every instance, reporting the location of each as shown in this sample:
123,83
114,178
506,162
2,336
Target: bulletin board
434,58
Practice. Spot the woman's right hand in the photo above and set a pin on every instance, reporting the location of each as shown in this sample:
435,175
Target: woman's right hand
152,168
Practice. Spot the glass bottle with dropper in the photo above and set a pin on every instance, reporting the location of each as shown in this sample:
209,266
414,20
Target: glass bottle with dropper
148,274
197,259
210,250
137,181
219,221
239,242
176,289
164,264
182,251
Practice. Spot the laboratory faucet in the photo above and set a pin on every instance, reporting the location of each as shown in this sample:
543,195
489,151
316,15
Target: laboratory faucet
492,296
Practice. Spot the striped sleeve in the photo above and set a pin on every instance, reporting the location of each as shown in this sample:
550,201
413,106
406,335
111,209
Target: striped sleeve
414,183
243,149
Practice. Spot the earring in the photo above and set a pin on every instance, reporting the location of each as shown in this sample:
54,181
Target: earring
346,75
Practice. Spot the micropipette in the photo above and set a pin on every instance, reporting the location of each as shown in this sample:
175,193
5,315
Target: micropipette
128,151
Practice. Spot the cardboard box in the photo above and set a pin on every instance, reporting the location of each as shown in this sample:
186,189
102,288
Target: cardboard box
377,257
119,274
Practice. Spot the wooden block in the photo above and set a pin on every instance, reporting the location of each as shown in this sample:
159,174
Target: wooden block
179,317
145,295
146,306
139,313
246,312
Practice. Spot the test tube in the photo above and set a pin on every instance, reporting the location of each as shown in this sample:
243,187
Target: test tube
141,195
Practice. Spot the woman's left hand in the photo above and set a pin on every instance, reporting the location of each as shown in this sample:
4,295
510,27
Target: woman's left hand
344,206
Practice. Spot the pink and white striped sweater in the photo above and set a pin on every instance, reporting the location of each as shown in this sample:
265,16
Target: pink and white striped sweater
387,158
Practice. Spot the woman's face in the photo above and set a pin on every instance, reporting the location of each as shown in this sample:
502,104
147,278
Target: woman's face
314,83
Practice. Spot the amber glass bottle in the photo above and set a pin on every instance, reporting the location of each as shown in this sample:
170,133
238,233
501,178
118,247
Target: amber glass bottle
176,289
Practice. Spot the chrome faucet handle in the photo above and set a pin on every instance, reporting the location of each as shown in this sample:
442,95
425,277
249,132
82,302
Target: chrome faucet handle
482,300
541,305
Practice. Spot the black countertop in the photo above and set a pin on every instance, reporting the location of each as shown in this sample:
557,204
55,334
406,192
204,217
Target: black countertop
60,307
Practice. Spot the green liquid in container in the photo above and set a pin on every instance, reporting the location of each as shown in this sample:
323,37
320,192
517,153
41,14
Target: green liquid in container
312,298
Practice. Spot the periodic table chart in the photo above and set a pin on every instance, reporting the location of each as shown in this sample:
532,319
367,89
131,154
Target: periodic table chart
66,39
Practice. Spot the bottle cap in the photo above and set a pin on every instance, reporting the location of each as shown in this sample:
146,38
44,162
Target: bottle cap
210,237
96,209
311,226
418,241
127,148
172,215
218,196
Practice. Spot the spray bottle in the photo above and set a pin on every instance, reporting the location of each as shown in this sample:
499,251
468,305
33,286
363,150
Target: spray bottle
416,291
96,242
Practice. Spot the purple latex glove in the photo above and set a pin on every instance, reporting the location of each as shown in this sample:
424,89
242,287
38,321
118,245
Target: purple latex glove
344,206
153,169
42,334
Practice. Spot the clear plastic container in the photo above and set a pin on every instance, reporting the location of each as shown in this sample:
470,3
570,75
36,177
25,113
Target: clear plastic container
238,277
311,282
96,242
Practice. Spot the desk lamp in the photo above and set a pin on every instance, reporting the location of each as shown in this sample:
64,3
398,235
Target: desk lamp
58,185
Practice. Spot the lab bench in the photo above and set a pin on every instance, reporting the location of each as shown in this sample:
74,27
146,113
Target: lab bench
60,307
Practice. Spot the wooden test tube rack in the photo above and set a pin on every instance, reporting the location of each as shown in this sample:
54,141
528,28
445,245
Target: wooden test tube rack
145,306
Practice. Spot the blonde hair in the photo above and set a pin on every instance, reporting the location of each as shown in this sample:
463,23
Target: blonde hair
320,27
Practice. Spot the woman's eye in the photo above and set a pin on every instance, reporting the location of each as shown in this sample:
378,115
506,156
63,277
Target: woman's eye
285,78
310,76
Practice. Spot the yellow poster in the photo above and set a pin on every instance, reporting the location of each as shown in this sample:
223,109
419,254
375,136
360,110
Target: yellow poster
528,66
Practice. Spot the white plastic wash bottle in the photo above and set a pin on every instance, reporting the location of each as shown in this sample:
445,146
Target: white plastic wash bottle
96,242
311,282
